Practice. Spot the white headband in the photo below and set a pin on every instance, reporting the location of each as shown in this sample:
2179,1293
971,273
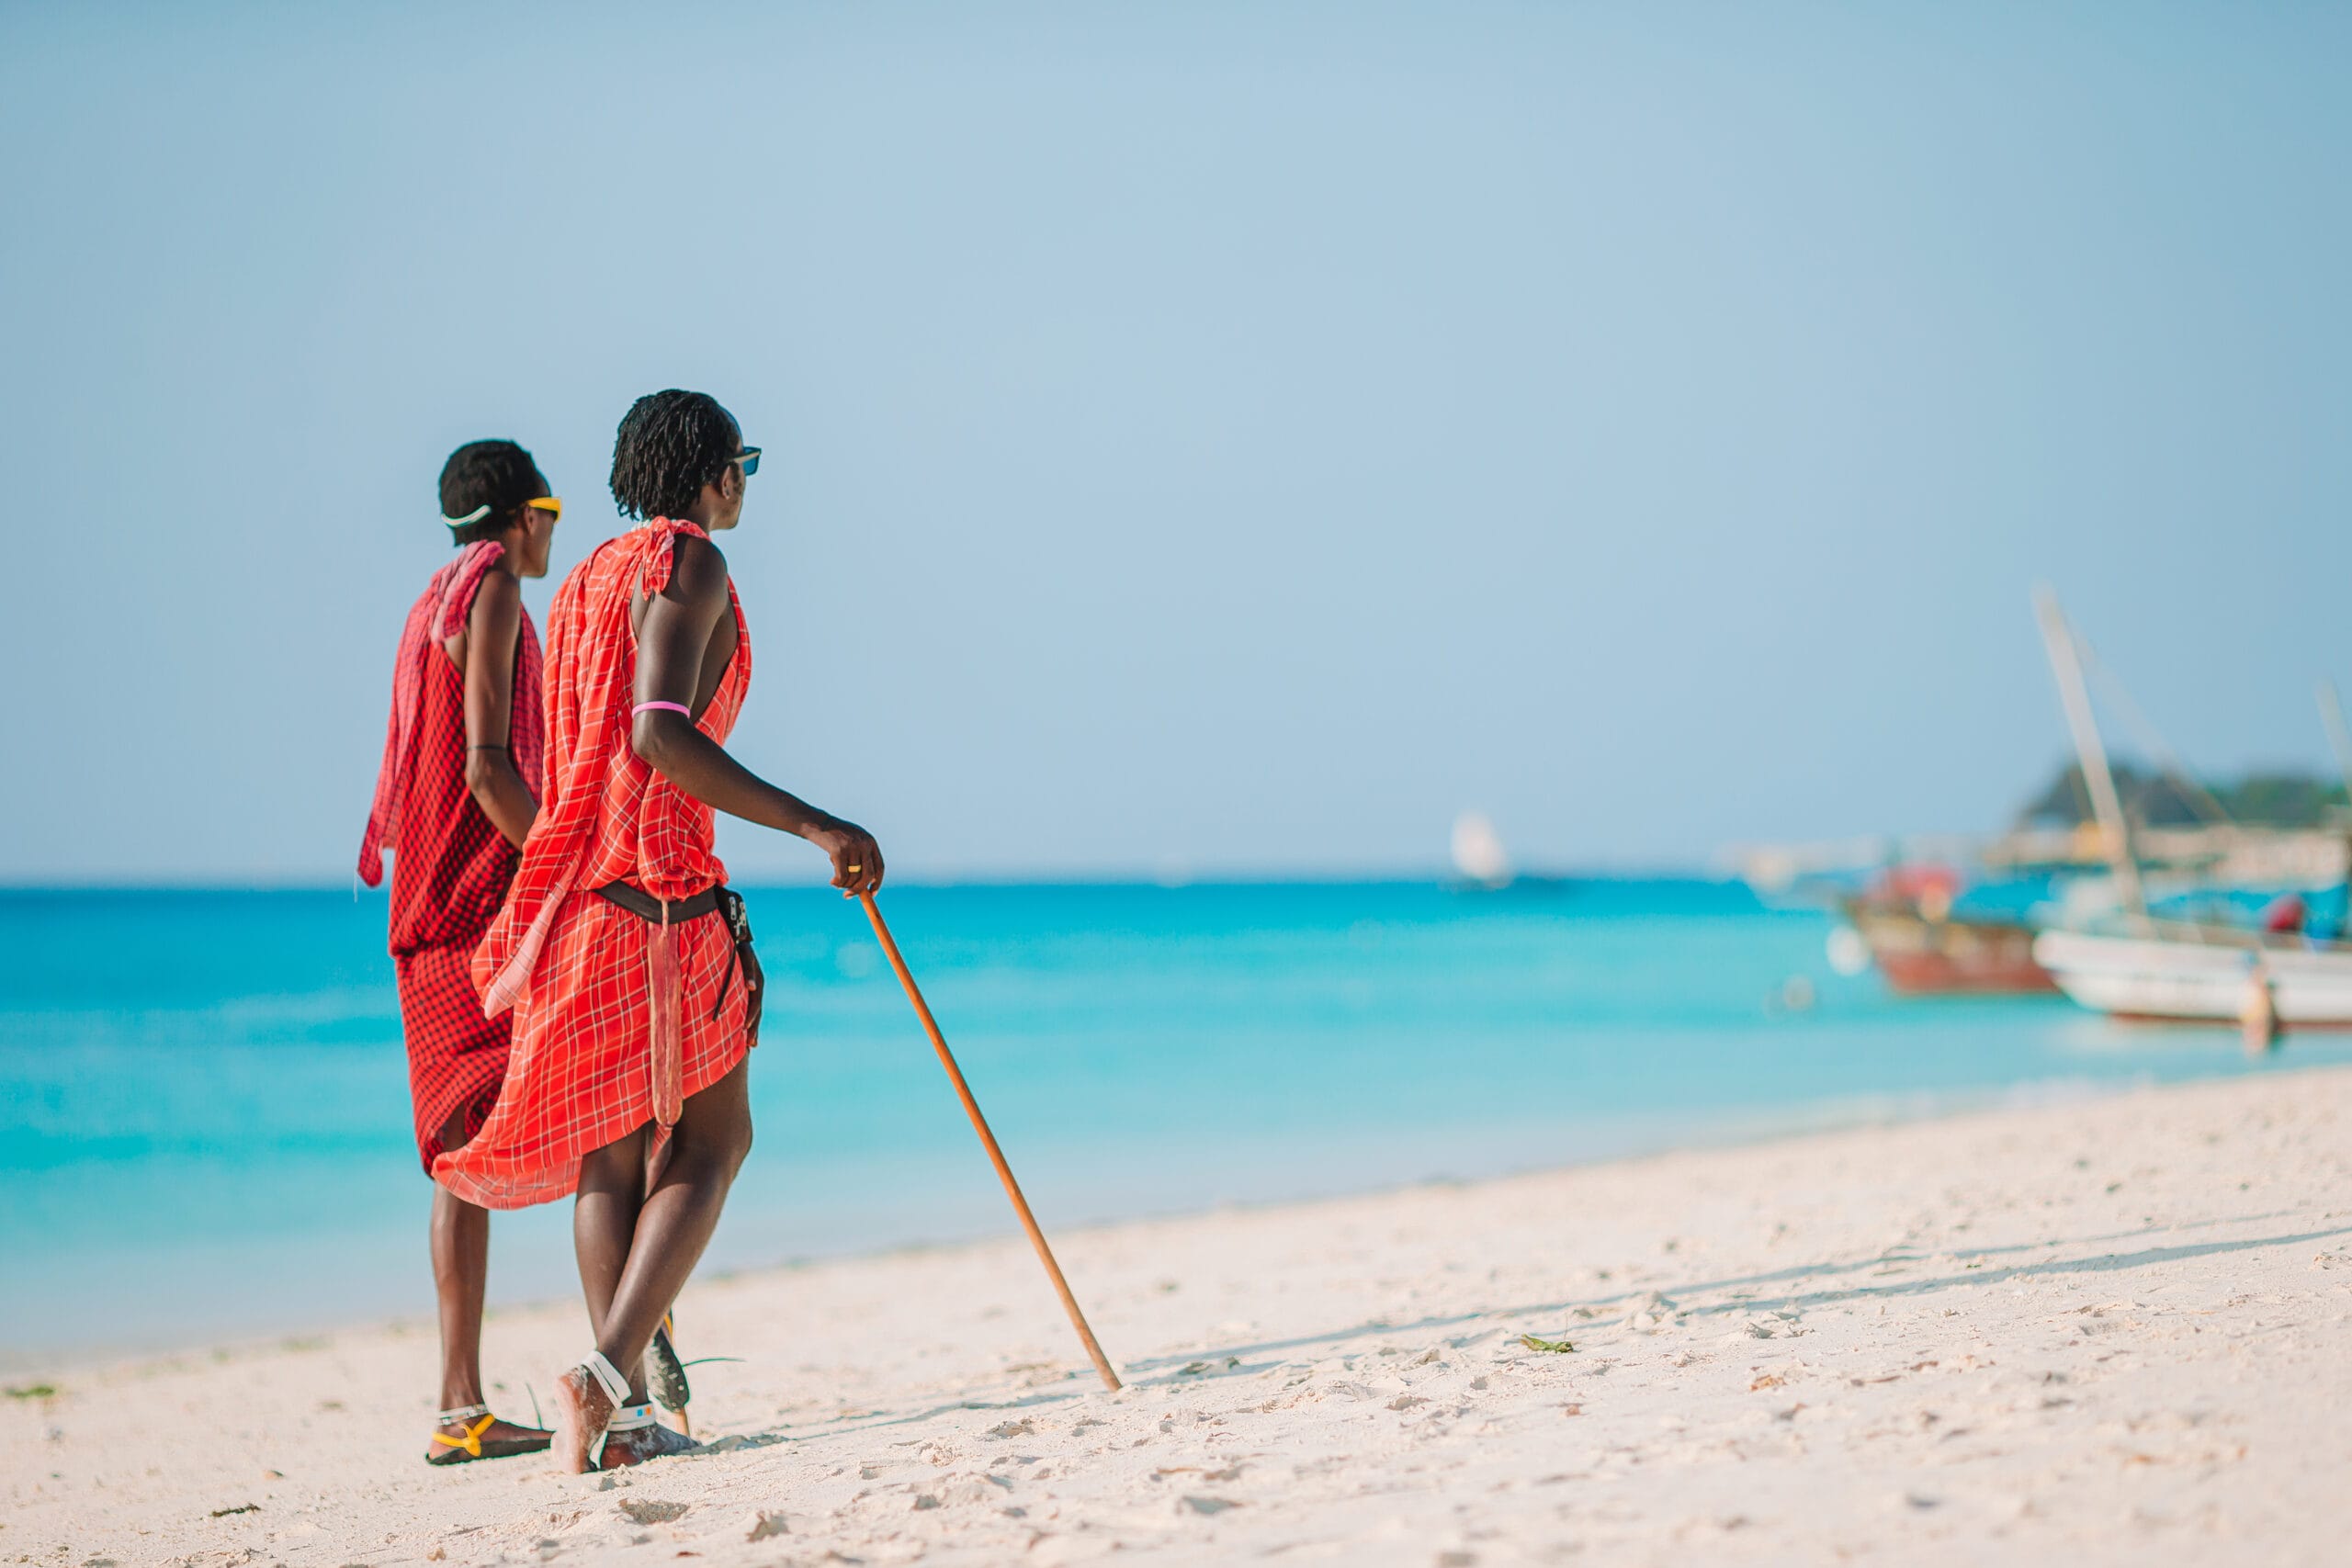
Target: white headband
476,516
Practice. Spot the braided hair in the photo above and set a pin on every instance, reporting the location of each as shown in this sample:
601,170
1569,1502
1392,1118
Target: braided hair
668,445
496,474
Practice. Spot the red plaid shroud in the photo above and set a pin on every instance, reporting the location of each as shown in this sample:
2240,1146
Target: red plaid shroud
450,866
578,971
438,615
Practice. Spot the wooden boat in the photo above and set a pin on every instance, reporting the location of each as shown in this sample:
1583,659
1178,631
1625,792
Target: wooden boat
1913,923
1924,955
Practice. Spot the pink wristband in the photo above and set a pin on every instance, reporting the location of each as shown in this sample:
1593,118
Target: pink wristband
669,707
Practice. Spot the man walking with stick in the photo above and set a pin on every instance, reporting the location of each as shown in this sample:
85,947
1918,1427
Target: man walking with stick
626,959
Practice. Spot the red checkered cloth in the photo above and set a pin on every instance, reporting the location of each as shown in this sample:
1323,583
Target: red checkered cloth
457,1057
617,1019
438,615
450,867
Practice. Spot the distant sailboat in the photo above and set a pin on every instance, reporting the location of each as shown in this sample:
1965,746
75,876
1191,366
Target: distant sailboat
1479,858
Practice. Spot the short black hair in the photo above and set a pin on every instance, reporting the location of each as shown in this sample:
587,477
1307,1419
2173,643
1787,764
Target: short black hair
670,444
496,474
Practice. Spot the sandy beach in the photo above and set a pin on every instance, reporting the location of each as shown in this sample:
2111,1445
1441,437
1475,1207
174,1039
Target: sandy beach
2113,1330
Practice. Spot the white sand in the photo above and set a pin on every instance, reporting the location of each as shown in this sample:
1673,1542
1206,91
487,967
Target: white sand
2109,1332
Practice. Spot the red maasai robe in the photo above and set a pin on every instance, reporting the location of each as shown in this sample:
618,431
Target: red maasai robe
617,1019
450,867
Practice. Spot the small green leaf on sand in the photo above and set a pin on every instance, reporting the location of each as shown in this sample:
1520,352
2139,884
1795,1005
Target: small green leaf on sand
1556,1347
34,1391
240,1508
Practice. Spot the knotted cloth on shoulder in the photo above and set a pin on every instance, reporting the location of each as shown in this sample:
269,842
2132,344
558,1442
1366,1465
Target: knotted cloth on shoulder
438,615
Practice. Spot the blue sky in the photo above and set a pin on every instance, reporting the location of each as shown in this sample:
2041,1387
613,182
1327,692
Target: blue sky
1234,438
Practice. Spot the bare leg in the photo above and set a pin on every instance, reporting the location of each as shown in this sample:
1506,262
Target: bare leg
710,1142
604,1221
460,1279
664,1238
460,1276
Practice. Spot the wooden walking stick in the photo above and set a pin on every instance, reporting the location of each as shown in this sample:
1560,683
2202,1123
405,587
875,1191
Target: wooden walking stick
987,1140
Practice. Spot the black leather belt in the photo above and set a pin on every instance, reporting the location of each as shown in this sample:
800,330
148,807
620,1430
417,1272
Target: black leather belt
646,907
725,900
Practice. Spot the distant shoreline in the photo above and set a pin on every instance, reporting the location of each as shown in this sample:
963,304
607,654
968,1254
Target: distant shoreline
1794,1125
1425,876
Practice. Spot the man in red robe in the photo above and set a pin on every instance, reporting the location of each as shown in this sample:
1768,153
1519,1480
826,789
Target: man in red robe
626,959
454,802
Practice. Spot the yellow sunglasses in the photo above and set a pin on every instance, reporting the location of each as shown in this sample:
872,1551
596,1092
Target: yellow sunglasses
551,505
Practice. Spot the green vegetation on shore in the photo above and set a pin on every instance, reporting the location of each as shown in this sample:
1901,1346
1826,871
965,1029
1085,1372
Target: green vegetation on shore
2154,798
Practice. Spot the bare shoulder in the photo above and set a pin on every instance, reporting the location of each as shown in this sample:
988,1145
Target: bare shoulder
497,591
497,611
697,569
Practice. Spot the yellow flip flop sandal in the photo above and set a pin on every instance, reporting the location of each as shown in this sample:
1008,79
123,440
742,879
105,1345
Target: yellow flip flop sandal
471,1447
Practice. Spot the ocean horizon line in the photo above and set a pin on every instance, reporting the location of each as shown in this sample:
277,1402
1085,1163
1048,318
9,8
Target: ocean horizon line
1125,877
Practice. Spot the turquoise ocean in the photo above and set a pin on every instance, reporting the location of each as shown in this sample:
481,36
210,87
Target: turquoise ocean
204,1124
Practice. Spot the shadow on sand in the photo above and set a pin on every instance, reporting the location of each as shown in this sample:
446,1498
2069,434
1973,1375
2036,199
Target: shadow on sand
1808,1285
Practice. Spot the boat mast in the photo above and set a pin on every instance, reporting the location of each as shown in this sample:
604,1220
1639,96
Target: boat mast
2331,714
2067,666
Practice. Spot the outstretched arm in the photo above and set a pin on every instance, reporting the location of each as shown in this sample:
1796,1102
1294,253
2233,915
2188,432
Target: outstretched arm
671,639
486,649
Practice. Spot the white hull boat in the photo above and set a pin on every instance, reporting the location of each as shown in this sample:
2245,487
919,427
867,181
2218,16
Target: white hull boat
2196,979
